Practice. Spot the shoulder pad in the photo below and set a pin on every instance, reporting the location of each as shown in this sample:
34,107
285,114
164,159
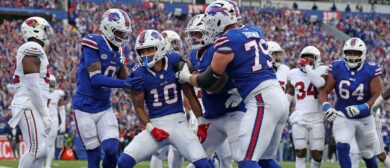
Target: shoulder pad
90,41
32,49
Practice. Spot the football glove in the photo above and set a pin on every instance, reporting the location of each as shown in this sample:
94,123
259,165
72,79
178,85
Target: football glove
234,99
355,110
202,129
157,133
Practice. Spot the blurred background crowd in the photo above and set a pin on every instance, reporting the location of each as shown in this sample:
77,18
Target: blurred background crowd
293,33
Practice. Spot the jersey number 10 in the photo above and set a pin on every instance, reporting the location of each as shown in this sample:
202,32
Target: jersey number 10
168,100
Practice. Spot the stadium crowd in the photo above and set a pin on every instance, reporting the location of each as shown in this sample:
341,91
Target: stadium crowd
293,33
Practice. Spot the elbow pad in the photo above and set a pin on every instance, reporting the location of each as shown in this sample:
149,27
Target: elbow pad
207,78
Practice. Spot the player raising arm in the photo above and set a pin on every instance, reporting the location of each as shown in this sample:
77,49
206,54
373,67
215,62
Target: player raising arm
357,84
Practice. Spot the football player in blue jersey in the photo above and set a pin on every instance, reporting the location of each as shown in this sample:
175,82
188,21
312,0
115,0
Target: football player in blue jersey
241,53
224,109
165,121
103,58
357,84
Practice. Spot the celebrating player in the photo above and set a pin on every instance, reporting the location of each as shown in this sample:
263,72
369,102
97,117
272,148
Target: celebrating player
31,80
277,53
103,57
241,52
307,120
357,84
56,106
223,110
165,122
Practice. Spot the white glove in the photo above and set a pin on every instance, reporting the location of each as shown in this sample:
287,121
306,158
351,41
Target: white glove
332,114
378,103
47,122
61,129
184,74
352,111
234,99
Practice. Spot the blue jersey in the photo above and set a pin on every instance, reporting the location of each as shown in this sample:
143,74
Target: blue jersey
214,104
162,89
96,48
251,64
352,86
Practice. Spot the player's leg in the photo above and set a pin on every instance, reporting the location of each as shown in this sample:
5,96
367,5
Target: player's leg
175,160
268,158
317,142
343,131
379,145
354,154
157,158
366,137
107,130
185,140
31,125
86,128
264,112
142,146
224,155
300,136
50,142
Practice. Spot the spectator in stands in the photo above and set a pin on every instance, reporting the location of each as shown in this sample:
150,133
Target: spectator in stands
315,7
359,7
333,8
295,6
14,137
348,8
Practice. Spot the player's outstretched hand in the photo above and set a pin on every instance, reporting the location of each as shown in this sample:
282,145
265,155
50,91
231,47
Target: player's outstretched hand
184,74
202,129
134,83
355,110
157,133
234,99
47,122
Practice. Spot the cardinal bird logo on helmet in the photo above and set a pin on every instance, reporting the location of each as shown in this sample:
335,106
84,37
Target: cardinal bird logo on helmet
32,23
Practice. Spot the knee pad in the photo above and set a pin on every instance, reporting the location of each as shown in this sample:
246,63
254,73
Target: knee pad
110,146
126,161
88,133
248,164
203,163
367,154
271,163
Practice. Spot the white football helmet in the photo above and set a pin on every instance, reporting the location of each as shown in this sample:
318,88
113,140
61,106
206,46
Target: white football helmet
220,14
196,24
116,26
172,40
355,44
52,82
311,50
38,28
150,39
274,47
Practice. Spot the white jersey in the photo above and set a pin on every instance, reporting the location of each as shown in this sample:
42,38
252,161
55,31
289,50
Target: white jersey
21,98
281,75
307,105
54,97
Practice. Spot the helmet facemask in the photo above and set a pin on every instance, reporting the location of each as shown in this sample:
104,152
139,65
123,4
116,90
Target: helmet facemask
195,38
354,58
147,56
277,58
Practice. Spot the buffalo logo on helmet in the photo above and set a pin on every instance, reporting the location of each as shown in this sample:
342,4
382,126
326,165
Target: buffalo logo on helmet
214,9
156,35
32,23
113,16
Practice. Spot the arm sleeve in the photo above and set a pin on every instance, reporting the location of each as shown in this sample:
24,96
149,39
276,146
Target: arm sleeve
315,77
36,95
97,78
61,110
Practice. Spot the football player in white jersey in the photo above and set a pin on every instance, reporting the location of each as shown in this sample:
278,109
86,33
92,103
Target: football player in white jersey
281,69
31,81
307,119
56,107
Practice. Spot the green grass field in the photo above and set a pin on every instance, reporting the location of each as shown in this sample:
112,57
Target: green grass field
83,164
